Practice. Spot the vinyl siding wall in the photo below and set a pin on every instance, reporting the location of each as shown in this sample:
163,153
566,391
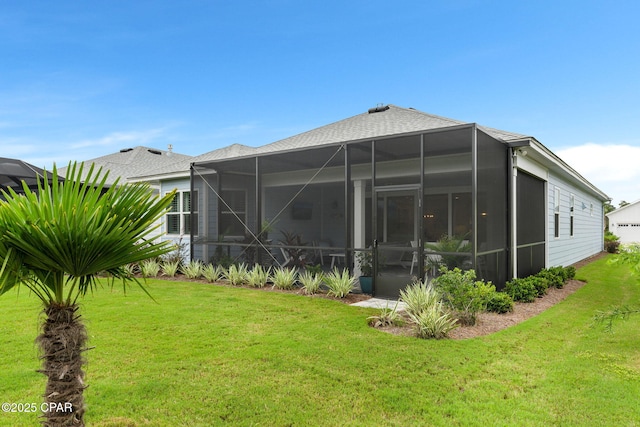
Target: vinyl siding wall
588,226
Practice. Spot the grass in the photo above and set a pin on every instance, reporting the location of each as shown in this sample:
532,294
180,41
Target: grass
218,355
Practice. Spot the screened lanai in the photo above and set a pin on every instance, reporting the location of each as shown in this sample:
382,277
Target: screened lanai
413,201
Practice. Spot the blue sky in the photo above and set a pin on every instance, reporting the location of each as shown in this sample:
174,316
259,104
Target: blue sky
81,79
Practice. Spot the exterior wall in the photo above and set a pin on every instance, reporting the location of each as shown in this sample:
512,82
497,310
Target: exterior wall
165,187
625,223
588,233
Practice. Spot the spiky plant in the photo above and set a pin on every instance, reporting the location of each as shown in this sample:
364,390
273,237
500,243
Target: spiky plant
237,274
212,273
284,278
340,283
434,321
258,276
310,282
418,296
150,268
386,317
170,268
193,270
55,241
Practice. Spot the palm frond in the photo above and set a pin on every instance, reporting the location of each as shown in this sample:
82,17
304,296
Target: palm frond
76,229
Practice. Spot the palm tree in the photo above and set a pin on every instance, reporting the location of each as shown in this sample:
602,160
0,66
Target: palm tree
56,241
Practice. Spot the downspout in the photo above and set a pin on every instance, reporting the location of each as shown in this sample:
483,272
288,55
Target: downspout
512,218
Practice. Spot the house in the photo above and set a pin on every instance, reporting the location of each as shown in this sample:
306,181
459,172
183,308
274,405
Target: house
178,223
408,187
128,162
625,222
15,172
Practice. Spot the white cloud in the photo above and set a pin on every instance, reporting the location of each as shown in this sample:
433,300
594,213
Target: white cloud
614,168
121,139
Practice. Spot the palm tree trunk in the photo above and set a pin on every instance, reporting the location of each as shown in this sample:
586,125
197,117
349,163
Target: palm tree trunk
62,342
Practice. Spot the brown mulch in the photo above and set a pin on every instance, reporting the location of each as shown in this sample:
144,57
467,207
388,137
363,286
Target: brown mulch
488,323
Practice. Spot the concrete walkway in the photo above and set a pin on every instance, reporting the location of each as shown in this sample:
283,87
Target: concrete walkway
380,303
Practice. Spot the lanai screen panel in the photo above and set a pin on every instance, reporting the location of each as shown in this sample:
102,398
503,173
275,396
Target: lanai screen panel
227,217
447,199
492,213
531,245
397,161
303,200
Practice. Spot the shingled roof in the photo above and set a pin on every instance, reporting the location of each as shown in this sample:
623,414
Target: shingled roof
135,161
379,122
182,167
376,123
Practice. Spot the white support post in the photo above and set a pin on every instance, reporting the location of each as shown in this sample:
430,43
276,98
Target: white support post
359,226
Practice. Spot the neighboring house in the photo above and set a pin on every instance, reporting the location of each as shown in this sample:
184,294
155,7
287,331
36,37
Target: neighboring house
395,180
15,172
624,222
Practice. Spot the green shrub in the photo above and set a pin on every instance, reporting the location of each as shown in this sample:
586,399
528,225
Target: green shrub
284,278
310,282
237,274
523,290
555,276
570,272
542,285
150,268
192,270
499,302
433,322
418,296
170,268
340,283
610,237
212,273
258,276
611,242
462,293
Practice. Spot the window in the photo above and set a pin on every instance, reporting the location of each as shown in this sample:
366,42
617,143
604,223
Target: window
233,213
572,206
556,213
179,215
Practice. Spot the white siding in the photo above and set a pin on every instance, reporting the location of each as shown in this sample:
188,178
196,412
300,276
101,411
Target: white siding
588,225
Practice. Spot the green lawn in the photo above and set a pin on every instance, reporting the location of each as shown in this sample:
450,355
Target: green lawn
216,355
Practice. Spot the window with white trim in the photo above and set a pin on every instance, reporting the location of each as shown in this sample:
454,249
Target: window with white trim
556,213
178,219
572,206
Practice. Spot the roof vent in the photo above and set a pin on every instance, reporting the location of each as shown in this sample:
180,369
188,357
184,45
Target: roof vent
126,150
379,108
154,151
